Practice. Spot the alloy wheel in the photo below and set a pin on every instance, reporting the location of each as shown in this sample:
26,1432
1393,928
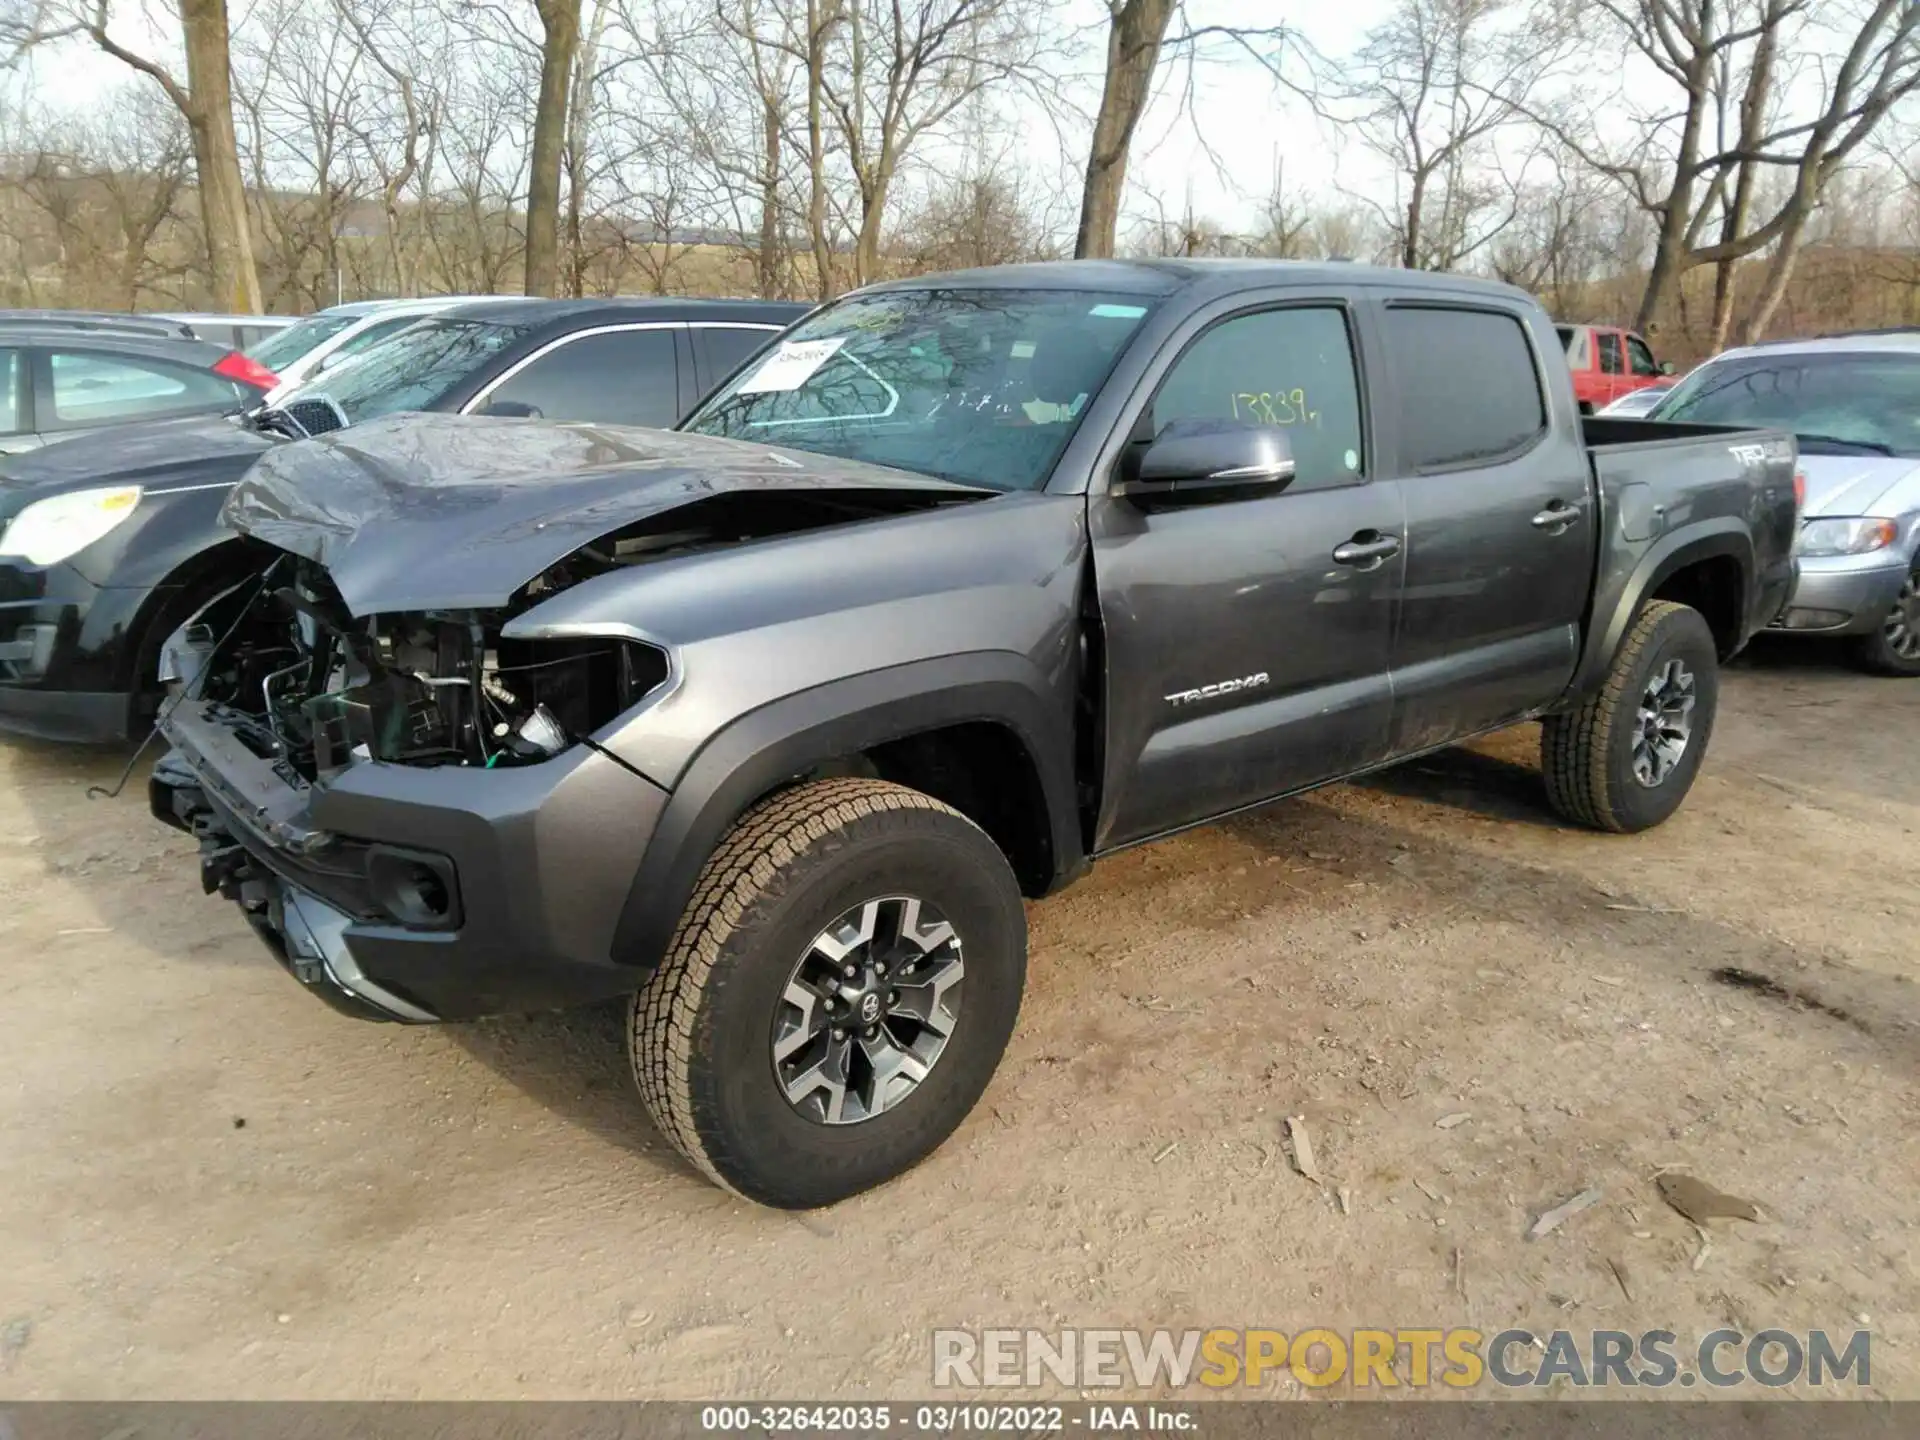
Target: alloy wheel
868,1010
1664,723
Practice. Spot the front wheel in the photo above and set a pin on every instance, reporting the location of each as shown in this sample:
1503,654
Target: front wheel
838,994
1625,759
1894,648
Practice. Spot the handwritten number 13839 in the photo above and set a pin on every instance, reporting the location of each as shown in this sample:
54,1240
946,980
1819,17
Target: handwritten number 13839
1274,407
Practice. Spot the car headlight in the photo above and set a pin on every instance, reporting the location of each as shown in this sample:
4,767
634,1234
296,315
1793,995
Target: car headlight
48,531
1847,537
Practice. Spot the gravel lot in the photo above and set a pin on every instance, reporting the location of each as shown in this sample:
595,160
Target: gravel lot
213,1186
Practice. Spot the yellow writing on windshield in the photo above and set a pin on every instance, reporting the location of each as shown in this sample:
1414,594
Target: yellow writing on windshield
1274,407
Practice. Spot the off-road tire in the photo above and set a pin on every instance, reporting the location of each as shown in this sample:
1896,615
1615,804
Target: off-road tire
1586,754
700,1030
1872,652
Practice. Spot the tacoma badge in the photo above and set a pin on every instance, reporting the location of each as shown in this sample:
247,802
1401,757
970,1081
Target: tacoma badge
1225,687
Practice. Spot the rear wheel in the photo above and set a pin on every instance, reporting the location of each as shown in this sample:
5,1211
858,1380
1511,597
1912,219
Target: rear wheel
1894,648
837,996
1626,758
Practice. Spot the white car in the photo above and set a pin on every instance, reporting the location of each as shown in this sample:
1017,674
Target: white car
1635,404
331,336
1854,403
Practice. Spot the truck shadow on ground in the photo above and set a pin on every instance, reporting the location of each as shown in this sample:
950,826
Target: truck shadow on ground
574,1064
1494,782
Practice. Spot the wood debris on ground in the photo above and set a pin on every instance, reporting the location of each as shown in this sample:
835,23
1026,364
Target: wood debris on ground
1553,1219
1302,1148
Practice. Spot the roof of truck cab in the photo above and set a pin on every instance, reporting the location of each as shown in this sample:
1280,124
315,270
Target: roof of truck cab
1166,276
622,311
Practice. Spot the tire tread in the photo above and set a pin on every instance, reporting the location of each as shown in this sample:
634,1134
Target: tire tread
1575,746
760,848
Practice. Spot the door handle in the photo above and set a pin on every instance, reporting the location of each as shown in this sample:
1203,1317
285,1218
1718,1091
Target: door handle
1366,553
1556,517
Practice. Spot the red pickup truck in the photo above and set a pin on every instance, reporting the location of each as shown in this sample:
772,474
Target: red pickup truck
1607,362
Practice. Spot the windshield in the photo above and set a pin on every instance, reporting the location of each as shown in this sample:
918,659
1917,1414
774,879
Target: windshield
984,387
1835,402
283,347
410,370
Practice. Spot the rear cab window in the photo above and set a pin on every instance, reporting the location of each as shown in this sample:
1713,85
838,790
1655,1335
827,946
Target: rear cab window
1470,388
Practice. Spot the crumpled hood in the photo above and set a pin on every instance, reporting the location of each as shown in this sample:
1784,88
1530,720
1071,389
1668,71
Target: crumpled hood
447,512
205,447
1860,484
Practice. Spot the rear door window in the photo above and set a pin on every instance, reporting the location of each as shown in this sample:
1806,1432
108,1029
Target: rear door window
94,388
1610,360
1469,390
618,377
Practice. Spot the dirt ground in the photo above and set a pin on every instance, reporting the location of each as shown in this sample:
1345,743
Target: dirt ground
213,1186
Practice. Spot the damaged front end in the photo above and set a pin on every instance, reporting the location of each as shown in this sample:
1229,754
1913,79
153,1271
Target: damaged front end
307,683
386,742
280,694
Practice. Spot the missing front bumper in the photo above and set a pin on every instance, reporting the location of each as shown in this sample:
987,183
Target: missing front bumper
455,891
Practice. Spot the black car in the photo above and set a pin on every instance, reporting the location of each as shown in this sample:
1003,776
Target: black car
109,540
63,373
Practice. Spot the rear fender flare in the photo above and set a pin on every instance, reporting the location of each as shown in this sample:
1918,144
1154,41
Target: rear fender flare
1704,540
760,751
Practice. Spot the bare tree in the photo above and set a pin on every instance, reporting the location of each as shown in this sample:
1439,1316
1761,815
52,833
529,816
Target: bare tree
560,26
398,131
1135,32
1432,92
1855,61
1141,35
982,218
204,100
901,68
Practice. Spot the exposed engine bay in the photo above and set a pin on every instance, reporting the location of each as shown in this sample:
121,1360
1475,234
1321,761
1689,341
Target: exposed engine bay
306,684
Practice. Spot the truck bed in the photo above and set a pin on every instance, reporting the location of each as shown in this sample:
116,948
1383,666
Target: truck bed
1653,476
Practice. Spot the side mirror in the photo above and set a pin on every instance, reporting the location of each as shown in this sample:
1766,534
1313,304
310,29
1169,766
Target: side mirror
512,409
1207,462
1666,367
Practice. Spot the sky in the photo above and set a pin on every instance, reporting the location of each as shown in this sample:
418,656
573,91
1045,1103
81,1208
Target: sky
1213,136
1246,120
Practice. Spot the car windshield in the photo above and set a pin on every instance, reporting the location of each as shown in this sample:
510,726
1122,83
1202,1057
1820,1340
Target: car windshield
283,347
1836,402
984,387
410,370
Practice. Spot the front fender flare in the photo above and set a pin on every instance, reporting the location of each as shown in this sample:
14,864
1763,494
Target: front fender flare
756,753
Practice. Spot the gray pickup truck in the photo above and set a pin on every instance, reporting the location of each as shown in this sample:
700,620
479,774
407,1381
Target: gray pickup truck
770,723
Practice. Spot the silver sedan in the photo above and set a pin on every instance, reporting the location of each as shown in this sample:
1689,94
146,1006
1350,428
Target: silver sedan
1854,403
